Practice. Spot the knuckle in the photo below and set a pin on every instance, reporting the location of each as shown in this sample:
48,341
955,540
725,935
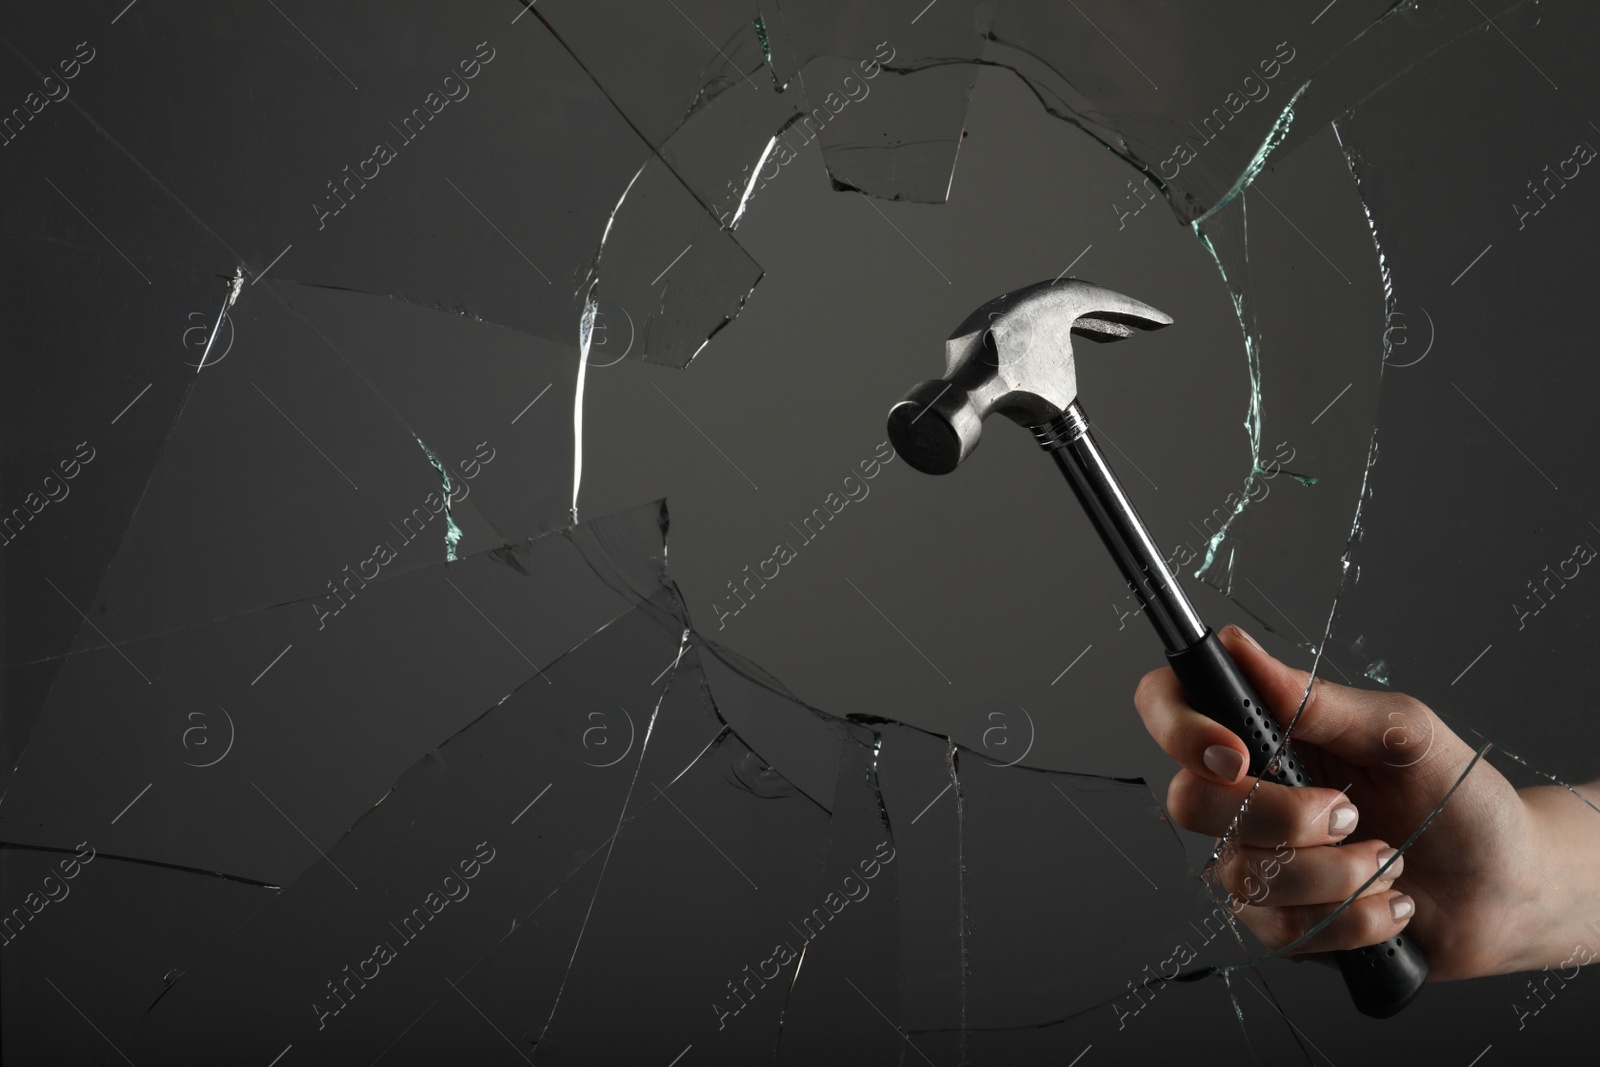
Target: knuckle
1144,692
1336,935
1236,877
1409,706
1354,872
1271,878
1251,885
1184,802
1368,863
1273,927
1403,730
1365,923
1315,807
1404,711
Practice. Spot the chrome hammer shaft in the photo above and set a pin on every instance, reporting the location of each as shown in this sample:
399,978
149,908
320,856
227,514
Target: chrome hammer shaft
1070,444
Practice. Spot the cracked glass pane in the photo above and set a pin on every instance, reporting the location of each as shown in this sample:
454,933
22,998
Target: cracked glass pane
1501,404
357,356
362,680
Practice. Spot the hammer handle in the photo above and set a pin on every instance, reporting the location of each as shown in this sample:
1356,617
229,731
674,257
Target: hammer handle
1382,978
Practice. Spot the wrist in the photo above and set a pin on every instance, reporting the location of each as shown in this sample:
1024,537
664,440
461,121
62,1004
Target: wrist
1560,865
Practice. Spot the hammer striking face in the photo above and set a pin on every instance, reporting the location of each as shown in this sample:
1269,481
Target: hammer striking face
1013,356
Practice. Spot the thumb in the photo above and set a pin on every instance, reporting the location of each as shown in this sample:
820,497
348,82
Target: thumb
1367,728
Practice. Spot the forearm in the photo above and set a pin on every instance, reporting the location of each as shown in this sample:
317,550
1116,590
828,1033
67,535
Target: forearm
1563,931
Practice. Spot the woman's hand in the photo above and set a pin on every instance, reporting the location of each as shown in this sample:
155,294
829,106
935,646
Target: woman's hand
1500,881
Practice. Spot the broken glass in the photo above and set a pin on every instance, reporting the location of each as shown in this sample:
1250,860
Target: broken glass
1487,456
323,694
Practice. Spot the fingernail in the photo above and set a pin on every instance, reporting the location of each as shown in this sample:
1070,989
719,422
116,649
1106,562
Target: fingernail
1239,631
1342,821
1399,865
1401,907
1224,762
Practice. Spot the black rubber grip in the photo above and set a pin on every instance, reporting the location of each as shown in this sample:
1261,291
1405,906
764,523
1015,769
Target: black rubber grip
1382,978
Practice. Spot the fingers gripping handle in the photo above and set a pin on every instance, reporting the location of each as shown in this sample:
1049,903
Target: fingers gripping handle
1382,978
1218,689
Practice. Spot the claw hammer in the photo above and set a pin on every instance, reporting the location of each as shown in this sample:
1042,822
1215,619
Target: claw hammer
1013,356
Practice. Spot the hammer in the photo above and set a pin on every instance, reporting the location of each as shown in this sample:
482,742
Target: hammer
1014,356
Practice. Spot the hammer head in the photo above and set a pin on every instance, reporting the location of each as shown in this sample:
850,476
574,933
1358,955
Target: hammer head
1013,355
